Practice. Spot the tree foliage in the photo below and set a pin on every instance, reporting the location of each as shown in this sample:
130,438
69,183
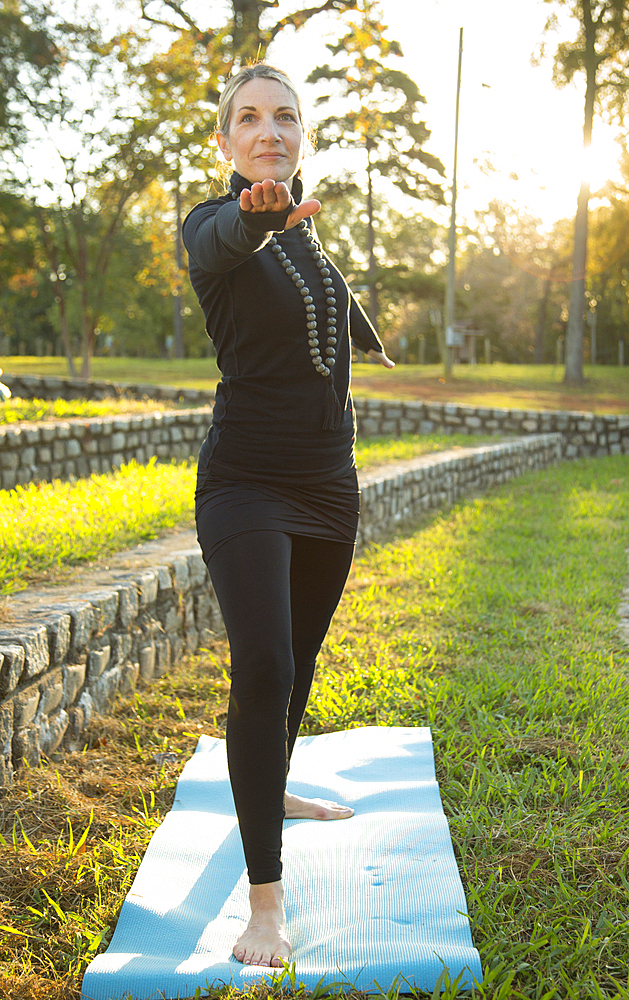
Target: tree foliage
381,118
599,51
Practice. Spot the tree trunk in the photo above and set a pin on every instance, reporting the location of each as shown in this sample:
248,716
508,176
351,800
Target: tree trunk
372,267
247,42
573,374
65,335
542,307
178,296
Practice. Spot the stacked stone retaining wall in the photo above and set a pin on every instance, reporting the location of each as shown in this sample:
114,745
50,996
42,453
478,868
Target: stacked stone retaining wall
41,452
34,452
52,387
583,434
65,661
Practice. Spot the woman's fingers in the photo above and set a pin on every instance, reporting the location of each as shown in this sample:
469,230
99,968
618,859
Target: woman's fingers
303,211
265,196
381,357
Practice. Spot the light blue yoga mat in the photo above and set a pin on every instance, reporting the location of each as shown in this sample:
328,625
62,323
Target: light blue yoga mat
373,899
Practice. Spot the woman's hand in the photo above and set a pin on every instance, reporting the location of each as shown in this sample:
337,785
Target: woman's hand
381,357
269,196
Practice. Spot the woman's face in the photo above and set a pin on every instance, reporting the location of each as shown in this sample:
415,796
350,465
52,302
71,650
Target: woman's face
266,138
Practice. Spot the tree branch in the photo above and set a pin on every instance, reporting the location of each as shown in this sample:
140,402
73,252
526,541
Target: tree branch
299,18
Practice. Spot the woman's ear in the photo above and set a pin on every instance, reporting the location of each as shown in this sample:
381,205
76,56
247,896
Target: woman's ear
223,145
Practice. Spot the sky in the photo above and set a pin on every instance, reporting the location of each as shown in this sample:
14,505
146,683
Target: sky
511,114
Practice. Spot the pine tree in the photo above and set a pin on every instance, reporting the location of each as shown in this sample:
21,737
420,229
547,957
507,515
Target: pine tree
382,118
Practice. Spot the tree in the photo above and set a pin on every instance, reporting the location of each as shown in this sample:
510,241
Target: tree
600,51
404,247
244,38
381,118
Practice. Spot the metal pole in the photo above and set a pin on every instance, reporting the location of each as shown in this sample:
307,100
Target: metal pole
450,272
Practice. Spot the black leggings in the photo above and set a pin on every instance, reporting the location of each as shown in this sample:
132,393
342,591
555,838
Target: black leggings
277,594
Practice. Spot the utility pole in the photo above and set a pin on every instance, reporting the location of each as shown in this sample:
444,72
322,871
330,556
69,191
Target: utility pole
450,271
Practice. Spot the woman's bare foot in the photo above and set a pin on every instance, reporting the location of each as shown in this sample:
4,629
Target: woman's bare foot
297,808
264,942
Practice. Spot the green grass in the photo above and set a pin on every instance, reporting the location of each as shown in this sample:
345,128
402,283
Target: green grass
16,410
495,624
529,387
376,451
46,528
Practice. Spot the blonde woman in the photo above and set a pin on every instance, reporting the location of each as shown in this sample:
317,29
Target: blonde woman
277,494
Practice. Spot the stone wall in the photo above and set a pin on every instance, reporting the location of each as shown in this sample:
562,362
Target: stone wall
32,452
51,387
394,495
582,434
65,661
38,452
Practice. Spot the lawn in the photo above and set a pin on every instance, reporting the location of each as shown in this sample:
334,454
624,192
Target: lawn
528,387
495,624
47,528
30,410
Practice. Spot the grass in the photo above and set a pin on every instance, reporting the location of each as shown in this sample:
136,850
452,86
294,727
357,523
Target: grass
47,528
529,387
20,410
495,624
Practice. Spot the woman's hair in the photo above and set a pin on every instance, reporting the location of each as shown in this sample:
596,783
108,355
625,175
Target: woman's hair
254,72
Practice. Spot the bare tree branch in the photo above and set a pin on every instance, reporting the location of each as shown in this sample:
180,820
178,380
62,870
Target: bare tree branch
299,18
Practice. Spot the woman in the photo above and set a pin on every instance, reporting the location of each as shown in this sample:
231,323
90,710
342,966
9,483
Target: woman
277,493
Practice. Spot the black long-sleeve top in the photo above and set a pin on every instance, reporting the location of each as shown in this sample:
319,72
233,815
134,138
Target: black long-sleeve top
270,402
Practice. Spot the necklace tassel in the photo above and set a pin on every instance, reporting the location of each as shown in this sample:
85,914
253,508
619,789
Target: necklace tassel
333,411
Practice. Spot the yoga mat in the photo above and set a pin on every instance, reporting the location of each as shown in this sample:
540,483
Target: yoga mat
373,899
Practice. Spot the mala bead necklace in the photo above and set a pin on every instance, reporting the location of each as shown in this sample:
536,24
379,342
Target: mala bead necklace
323,359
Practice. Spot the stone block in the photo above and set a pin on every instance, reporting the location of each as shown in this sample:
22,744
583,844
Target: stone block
51,692
25,746
73,681
27,456
129,674
128,603
121,647
368,427
9,460
118,442
148,583
97,662
105,604
81,623
172,618
162,656
176,647
6,726
34,640
52,730
104,690
11,667
58,626
146,656
164,579
197,569
80,715
181,572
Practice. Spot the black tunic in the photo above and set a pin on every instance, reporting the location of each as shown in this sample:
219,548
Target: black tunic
266,427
